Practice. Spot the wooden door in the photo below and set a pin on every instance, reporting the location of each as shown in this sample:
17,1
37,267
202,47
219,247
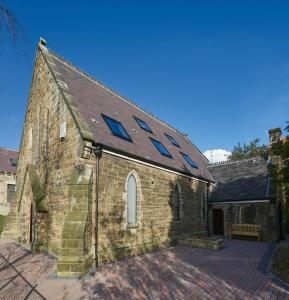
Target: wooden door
218,221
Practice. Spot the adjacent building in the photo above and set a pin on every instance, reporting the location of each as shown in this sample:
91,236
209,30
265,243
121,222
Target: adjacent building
244,193
8,164
98,178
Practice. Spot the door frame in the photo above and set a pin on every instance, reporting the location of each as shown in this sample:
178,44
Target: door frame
221,222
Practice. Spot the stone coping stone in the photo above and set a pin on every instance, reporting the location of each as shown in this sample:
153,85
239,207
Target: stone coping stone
202,242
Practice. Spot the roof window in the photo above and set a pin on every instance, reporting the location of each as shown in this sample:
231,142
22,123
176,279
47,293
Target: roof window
116,128
189,160
13,162
162,149
142,124
172,140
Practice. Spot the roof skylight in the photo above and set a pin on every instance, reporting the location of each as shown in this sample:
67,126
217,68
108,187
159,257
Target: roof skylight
172,140
189,160
142,124
116,128
13,162
162,149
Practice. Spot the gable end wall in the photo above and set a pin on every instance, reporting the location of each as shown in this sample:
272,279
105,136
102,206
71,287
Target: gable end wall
53,159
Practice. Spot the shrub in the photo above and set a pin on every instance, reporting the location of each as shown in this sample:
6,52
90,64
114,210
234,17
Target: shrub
2,222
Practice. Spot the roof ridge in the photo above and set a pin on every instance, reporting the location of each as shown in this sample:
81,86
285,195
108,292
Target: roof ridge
226,162
12,150
77,69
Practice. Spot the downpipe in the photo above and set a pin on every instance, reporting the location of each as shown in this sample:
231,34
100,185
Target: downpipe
98,154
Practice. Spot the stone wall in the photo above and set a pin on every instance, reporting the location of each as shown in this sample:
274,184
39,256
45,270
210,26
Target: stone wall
52,158
5,179
265,215
155,225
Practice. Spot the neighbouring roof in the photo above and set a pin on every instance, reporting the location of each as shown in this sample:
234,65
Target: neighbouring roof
88,99
7,160
243,180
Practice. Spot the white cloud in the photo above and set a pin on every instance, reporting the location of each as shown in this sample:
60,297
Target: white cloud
217,155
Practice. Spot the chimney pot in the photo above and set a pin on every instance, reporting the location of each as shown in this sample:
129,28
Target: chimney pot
274,135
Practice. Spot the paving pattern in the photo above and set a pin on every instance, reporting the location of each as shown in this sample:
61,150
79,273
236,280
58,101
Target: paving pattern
37,269
236,272
13,285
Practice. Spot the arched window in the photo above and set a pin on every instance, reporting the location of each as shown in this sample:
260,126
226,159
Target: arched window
176,204
131,200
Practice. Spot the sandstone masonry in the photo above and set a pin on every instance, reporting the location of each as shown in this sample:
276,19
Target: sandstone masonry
74,204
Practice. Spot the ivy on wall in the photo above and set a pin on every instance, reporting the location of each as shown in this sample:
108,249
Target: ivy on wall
280,173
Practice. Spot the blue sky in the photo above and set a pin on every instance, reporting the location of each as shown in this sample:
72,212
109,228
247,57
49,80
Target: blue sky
216,70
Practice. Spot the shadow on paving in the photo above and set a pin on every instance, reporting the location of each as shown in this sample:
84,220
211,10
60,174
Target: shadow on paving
20,271
38,269
189,273
236,272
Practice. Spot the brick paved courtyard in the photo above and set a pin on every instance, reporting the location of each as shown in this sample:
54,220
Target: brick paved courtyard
236,272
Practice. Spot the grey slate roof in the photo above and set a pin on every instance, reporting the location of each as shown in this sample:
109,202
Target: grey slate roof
88,99
5,156
241,181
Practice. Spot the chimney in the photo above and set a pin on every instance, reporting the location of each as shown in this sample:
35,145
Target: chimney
274,135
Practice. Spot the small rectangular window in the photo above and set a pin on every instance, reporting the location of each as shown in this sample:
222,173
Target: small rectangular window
189,160
172,140
142,124
162,149
116,128
13,162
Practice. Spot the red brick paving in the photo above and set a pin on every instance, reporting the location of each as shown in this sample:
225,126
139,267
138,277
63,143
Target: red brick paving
236,272
36,268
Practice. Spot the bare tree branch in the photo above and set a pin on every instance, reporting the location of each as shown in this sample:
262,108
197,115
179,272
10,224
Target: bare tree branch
10,24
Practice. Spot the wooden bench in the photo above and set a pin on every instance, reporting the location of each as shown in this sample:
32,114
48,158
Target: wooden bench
246,229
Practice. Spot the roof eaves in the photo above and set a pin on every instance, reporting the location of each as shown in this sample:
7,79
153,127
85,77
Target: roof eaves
118,151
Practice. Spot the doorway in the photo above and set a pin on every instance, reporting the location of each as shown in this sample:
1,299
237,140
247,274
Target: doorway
31,224
218,222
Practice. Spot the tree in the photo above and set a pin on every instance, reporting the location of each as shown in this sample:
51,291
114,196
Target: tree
287,127
253,149
9,23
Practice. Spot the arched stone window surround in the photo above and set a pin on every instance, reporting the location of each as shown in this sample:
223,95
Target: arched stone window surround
139,199
181,211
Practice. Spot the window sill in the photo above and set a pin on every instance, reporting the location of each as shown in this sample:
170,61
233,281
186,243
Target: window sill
132,226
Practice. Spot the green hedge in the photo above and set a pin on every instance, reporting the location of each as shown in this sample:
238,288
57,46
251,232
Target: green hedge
2,221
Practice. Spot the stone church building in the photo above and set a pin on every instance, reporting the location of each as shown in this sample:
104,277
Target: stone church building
98,178
8,163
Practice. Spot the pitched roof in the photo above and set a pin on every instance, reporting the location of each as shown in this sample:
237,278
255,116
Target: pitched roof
5,164
88,99
243,180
